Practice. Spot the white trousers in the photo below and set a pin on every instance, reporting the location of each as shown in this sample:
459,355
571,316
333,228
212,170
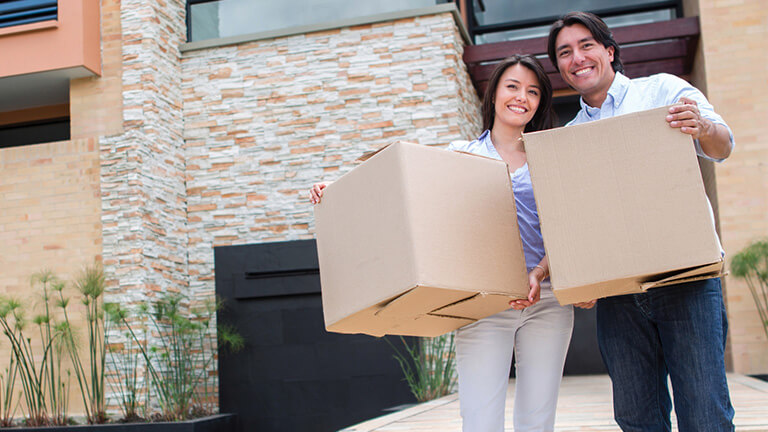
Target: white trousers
539,336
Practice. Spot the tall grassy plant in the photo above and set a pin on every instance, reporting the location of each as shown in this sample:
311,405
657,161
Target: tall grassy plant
751,265
126,383
179,366
31,376
55,386
429,366
7,387
90,376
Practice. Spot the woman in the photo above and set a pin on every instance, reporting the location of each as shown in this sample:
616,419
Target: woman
536,329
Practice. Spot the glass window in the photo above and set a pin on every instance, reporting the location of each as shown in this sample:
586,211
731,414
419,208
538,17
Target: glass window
34,133
500,20
541,31
225,18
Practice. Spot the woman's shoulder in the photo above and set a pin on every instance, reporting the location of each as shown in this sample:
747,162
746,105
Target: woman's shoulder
468,146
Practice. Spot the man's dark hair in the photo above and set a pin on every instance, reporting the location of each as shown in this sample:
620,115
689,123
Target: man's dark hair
543,118
595,25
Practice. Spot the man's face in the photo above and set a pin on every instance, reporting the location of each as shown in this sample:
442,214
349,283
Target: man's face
584,63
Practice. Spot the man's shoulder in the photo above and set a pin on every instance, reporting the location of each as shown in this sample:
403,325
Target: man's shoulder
660,80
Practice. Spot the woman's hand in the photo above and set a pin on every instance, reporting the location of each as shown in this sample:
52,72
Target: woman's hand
534,293
316,192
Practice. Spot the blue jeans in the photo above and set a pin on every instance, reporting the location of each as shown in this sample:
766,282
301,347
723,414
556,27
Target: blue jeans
676,331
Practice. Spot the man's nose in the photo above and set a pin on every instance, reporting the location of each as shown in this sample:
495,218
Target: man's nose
578,56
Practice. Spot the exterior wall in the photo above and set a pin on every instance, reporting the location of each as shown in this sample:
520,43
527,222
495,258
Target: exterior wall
96,104
71,41
142,162
266,119
50,219
733,35
142,172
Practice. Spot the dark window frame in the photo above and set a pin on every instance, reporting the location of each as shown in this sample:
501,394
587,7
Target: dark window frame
190,3
57,129
474,29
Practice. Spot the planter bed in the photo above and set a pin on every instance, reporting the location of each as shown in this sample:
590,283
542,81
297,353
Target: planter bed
215,423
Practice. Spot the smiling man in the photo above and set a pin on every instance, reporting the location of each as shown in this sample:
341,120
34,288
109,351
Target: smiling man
677,331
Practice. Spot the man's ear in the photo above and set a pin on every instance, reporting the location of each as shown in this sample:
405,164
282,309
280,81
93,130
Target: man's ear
610,52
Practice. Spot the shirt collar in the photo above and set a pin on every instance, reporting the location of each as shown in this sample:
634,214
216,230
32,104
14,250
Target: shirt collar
615,97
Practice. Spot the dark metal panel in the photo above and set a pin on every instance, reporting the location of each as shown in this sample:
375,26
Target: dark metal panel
292,374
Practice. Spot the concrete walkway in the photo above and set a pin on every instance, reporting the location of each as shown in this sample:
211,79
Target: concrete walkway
584,405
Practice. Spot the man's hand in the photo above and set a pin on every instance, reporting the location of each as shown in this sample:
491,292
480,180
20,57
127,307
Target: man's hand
714,138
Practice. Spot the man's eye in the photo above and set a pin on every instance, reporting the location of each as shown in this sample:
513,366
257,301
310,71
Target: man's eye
564,53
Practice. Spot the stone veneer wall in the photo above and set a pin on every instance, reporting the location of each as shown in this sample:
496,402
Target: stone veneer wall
266,119
142,163
142,169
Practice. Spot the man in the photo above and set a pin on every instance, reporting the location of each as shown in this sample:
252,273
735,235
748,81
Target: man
677,331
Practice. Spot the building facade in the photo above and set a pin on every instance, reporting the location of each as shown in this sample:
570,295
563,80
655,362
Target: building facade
171,148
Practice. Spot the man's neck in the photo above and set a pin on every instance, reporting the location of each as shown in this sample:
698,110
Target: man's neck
596,98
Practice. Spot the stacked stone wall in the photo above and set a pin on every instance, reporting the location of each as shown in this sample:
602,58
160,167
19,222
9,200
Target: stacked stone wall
266,119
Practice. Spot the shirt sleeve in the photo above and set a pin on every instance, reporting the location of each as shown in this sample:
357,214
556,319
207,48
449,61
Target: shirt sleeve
675,88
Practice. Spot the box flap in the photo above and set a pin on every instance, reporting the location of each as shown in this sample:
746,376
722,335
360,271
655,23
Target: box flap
637,285
367,155
588,292
706,271
476,307
419,301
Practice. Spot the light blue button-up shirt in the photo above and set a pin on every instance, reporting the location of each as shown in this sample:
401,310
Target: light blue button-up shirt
630,95
527,215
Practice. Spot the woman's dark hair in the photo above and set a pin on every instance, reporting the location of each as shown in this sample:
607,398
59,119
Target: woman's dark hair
543,118
595,25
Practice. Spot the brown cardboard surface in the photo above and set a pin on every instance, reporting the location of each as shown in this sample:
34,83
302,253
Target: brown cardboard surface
412,230
620,201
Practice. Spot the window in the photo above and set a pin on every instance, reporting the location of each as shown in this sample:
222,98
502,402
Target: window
500,20
49,130
18,12
209,19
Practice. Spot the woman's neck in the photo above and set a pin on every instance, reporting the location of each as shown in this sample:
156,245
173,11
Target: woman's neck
507,138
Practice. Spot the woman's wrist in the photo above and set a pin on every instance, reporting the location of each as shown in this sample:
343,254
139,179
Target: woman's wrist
544,272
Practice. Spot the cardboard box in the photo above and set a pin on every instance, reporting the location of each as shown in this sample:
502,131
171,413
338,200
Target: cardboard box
622,206
418,241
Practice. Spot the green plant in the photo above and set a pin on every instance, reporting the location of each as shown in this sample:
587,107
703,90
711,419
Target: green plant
751,265
32,377
126,383
428,365
7,384
179,365
90,284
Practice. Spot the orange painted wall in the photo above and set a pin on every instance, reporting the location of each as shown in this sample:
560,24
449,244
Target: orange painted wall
71,41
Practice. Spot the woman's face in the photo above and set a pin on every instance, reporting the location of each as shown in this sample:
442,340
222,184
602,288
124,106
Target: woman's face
517,97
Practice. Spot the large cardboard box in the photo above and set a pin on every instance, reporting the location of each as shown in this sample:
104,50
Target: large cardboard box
622,206
418,241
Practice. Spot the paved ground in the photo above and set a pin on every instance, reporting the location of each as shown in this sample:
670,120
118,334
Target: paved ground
584,405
